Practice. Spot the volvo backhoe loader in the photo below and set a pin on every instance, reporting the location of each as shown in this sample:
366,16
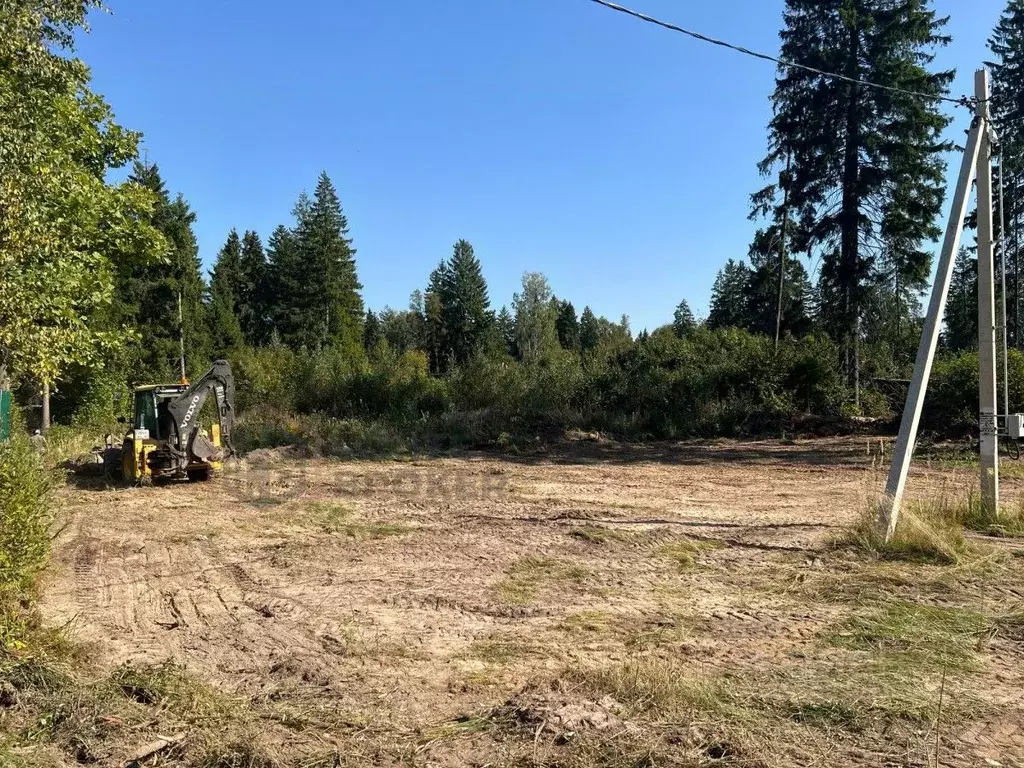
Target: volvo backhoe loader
166,440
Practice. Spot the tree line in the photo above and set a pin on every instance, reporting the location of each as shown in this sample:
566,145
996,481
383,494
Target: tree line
102,281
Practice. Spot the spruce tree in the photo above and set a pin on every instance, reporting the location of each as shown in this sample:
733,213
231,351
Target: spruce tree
253,300
465,306
590,330
436,337
333,307
729,296
568,326
507,328
866,163
149,294
962,305
373,332
286,288
222,317
762,290
683,321
1007,46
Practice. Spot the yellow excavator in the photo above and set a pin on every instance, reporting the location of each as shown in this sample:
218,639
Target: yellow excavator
165,440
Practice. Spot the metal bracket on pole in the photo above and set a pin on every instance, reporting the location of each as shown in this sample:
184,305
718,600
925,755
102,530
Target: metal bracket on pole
896,485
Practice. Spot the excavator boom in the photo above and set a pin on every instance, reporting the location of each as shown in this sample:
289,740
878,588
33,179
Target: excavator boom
186,407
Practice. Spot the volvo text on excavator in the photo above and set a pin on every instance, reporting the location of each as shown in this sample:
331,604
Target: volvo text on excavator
166,441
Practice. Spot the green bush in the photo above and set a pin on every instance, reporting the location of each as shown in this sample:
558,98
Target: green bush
721,382
24,523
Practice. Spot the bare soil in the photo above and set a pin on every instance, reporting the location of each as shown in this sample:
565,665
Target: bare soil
557,608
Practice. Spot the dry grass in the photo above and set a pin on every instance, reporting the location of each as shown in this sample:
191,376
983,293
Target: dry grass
660,686
599,534
929,532
923,637
685,551
529,575
336,518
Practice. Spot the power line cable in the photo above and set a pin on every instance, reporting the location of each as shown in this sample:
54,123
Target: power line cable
964,101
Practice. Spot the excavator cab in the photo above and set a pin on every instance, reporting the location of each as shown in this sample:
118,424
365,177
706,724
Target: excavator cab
167,440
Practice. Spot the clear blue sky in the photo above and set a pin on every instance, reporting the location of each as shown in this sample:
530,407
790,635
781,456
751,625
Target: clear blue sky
555,135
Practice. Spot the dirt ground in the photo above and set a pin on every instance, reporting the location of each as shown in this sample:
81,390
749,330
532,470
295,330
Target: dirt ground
597,604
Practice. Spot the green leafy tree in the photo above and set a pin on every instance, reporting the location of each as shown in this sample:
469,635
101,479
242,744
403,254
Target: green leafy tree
590,330
867,167
225,286
683,321
729,296
403,330
253,299
568,326
536,318
65,231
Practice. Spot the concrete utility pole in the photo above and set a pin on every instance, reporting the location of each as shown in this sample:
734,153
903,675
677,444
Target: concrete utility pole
987,391
904,450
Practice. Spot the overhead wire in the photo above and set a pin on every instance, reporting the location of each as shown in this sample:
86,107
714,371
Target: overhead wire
964,101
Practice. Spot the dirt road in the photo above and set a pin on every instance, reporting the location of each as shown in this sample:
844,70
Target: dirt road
410,595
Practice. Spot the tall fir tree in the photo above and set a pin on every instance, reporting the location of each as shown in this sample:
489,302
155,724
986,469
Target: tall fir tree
253,302
222,312
286,288
962,305
149,294
590,330
507,328
761,312
683,321
568,326
465,305
373,332
333,306
435,330
729,296
1007,46
866,163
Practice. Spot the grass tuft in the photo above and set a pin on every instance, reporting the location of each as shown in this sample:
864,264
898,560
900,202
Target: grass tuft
661,686
918,636
598,534
684,551
527,576
337,518
927,531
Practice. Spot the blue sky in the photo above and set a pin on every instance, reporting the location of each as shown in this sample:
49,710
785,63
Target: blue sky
555,135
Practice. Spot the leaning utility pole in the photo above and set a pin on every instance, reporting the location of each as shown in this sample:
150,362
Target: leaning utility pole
977,160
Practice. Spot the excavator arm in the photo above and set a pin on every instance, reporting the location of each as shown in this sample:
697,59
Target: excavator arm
185,409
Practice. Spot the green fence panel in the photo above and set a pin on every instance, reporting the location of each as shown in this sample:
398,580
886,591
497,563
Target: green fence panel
5,415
